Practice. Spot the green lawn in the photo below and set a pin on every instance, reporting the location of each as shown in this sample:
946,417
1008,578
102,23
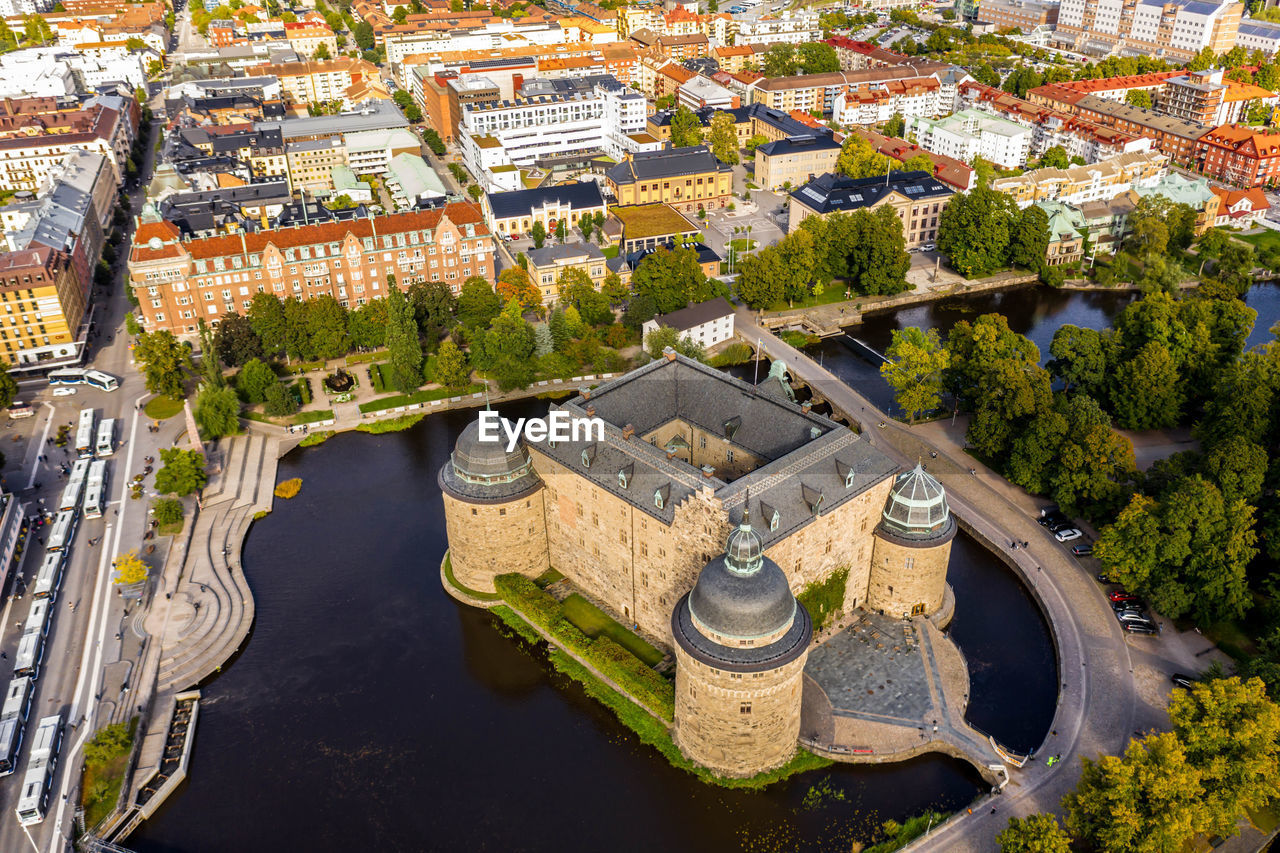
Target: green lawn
417,397
378,374
593,622
312,417
742,244
360,358
160,408
834,292
1266,240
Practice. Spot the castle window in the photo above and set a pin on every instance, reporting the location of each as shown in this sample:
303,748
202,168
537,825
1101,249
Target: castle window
744,708
502,511
624,475
702,442
644,549
588,455
622,536
728,454
595,520
473,510
828,546
910,563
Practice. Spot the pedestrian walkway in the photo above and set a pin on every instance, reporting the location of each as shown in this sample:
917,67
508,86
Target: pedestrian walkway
208,616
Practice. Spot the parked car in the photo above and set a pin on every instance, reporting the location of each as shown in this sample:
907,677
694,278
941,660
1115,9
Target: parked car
1133,616
1121,595
928,247
64,391
1067,535
1051,517
1083,550
1182,680
1141,628
1103,577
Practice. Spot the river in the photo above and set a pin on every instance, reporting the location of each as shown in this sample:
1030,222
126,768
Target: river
370,711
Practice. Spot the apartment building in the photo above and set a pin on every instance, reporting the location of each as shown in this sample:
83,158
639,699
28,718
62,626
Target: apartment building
1259,35
1209,98
795,27
917,197
856,55
970,134
687,179
318,80
792,161
371,152
1240,156
311,163
487,34
703,92
548,264
552,118
306,37
1169,29
1081,184
818,92
43,306
179,282
27,161
1240,208
1024,15
875,103
1169,135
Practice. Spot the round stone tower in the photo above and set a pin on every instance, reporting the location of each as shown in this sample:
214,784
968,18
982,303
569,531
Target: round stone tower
741,642
912,546
493,511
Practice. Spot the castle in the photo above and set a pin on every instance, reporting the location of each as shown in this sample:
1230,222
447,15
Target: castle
708,505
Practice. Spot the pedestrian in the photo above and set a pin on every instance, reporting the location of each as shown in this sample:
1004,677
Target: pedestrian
993,809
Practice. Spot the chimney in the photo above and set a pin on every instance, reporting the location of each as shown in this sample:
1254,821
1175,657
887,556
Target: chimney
708,471
591,411
584,391
806,406
669,353
627,432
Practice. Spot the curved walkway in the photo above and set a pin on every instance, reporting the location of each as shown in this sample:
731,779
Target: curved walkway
1096,701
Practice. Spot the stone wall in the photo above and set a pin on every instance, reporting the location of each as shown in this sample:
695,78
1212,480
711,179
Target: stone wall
491,539
707,448
737,724
903,577
634,564
836,538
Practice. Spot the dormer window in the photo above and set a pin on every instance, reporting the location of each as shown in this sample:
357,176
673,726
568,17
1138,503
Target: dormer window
847,473
588,455
624,476
770,515
731,427
812,498
661,495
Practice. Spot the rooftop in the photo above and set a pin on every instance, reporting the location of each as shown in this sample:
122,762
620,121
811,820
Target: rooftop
642,221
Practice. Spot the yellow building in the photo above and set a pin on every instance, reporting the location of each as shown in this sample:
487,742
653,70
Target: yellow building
43,305
688,179
546,266
311,163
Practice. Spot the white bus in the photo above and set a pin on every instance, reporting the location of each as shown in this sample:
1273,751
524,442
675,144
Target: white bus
74,488
84,432
106,444
38,616
13,718
95,490
64,530
30,653
42,763
66,376
19,409
80,376
101,381
49,578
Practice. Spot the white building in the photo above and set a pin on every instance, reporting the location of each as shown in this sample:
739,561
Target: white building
875,103
703,92
972,133
705,323
1258,35
46,71
20,8
789,26
371,151
492,36
594,114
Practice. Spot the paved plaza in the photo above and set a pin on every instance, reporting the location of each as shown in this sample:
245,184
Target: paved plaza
874,668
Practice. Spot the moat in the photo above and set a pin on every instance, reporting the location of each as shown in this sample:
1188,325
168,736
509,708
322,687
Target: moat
371,711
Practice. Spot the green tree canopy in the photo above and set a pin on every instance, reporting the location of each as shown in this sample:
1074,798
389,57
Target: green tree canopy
254,379
724,138
236,341
975,230
478,304
673,279
451,369
165,362
181,472
1037,833
217,412
404,349
686,130
916,361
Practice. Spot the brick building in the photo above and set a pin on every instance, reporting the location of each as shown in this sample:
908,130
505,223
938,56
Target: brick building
179,282
1240,156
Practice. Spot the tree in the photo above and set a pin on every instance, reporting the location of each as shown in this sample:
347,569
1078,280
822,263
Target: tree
1055,157
434,142
515,283
916,360
130,569
404,349
253,381
433,307
167,511
673,279
1238,467
1203,60
1037,833
326,327
280,401
267,320
858,159
755,141
817,58
760,279
217,411
686,130
1079,358
451,369
478,304
235,340
1138,98
576,288
779,61
165,361
367,325
538,233
1230,732
1148,801
975,230
613,288
1091,464
8,385
665,336
36,29
363,35
1186,552
895,126
182,472
506,349
724,138
1147,392
322,52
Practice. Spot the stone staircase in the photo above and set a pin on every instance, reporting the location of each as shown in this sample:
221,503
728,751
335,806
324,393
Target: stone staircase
212,611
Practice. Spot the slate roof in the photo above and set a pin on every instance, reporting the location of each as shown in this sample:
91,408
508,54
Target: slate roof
799,143
580,195
695,314
694,160
831,193
806,456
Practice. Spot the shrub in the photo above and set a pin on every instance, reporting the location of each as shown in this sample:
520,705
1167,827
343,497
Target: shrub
735,353
314,438
280,402
825,599
289,488
167,511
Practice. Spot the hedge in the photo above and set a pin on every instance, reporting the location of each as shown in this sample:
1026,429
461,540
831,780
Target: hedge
609,658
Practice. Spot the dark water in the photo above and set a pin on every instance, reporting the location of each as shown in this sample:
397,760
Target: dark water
369,711
1037,312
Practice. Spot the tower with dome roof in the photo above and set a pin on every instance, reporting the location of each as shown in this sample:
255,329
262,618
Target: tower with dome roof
912,546
741,642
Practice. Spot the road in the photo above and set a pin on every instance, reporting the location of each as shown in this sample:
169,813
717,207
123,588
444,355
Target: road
88,650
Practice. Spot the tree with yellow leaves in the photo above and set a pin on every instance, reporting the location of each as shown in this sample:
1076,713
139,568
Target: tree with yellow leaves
130,569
